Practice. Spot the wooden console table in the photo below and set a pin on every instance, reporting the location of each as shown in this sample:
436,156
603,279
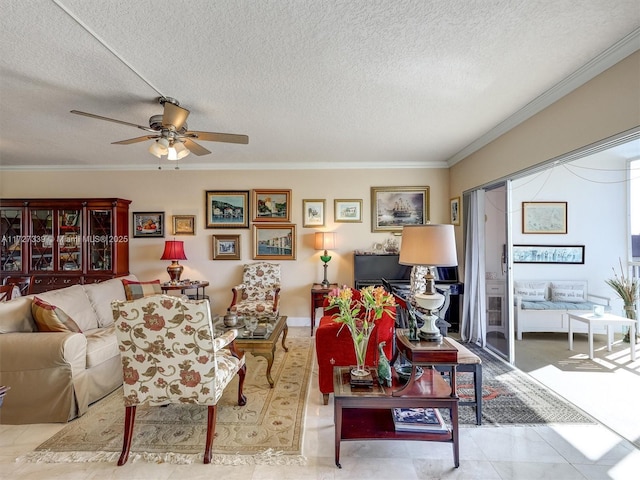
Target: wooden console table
318,292
369,414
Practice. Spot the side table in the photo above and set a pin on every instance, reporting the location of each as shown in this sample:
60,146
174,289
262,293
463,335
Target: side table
318,292
182,286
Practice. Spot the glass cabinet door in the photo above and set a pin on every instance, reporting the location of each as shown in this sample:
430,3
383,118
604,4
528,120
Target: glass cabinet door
100,240
11,228
41,239
69,240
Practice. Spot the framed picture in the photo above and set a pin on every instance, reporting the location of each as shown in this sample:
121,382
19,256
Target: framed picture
227,208
347,211
274,242
548,254
544,217
148,224
313,213
226,247
184,224
394,207
454,210
271,205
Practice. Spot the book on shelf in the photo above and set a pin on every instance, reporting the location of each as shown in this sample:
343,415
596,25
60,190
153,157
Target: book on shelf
423,420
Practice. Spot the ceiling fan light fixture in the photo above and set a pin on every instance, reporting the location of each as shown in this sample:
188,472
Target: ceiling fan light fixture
181,150
159,147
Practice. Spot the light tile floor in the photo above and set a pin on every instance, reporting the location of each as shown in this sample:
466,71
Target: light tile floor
550,452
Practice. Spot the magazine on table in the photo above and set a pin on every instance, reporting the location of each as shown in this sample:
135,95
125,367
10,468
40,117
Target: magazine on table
419,420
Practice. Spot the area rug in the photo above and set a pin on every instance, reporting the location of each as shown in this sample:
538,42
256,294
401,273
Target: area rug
511,397
267,430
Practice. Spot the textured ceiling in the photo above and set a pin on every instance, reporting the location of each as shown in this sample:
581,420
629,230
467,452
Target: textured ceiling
313,83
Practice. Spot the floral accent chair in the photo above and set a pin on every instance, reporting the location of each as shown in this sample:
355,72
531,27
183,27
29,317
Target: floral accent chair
170,355
259,292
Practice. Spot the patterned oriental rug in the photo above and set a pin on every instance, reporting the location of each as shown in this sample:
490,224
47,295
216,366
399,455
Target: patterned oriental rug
267,430
511,397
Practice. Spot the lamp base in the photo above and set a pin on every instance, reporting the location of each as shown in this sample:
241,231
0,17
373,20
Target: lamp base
175,270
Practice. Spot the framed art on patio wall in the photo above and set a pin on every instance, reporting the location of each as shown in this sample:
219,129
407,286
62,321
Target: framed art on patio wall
271,205
347,211
394,207
148,224
313,213
227,208
184,224
274,242
573,254
544,217
226,247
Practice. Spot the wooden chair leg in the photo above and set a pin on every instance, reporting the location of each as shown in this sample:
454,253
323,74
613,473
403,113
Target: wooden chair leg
325,398
211,430
477,386
129,420
242,400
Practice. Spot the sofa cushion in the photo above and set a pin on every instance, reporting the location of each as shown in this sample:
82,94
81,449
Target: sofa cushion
75,303
134,290
15,316
50,318
102,345
102,294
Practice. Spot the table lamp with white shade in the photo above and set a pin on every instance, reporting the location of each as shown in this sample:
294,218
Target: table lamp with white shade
325,241
430,246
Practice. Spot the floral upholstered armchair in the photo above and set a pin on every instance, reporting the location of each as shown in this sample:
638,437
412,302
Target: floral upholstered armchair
170,355
259,292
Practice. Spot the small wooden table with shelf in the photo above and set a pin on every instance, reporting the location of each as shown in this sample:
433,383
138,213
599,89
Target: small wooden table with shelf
369,416
182,286
318,292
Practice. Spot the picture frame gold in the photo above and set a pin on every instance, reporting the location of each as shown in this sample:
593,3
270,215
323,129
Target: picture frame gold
227,208
347,210
313,213
394,207
274,242
225,247
184,224
271,205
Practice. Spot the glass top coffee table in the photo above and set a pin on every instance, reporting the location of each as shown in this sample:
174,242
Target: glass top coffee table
262,342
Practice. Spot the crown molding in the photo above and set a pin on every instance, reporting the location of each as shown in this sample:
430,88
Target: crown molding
614,54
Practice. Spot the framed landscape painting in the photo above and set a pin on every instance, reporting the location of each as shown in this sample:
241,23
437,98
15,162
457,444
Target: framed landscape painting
226,247
394,207
274,242
548,254
227,208
184,224
271,205
347,211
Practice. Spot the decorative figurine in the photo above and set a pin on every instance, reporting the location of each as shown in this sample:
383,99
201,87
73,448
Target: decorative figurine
384,368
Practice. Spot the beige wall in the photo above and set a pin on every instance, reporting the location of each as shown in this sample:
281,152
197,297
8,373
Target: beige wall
606,105
183,192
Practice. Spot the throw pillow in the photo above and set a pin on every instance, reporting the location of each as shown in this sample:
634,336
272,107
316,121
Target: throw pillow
567,295
134,290
531,291
50,318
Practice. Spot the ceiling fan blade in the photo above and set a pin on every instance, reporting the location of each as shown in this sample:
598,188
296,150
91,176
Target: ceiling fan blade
135,140
174,115
99,117
195,148
219,137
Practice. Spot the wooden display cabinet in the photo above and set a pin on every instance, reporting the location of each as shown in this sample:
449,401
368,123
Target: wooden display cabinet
62,242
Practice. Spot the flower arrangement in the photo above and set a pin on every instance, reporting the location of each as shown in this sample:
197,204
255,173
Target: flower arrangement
627,289
360,316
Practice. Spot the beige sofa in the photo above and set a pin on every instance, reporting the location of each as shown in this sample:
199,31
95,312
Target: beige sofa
55,376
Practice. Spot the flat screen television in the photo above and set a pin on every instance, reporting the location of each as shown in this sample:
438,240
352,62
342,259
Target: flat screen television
375,267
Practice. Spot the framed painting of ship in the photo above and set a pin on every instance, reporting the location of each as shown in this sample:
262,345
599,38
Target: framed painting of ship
394,207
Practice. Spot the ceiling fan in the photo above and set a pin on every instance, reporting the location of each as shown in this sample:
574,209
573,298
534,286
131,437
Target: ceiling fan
172,136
